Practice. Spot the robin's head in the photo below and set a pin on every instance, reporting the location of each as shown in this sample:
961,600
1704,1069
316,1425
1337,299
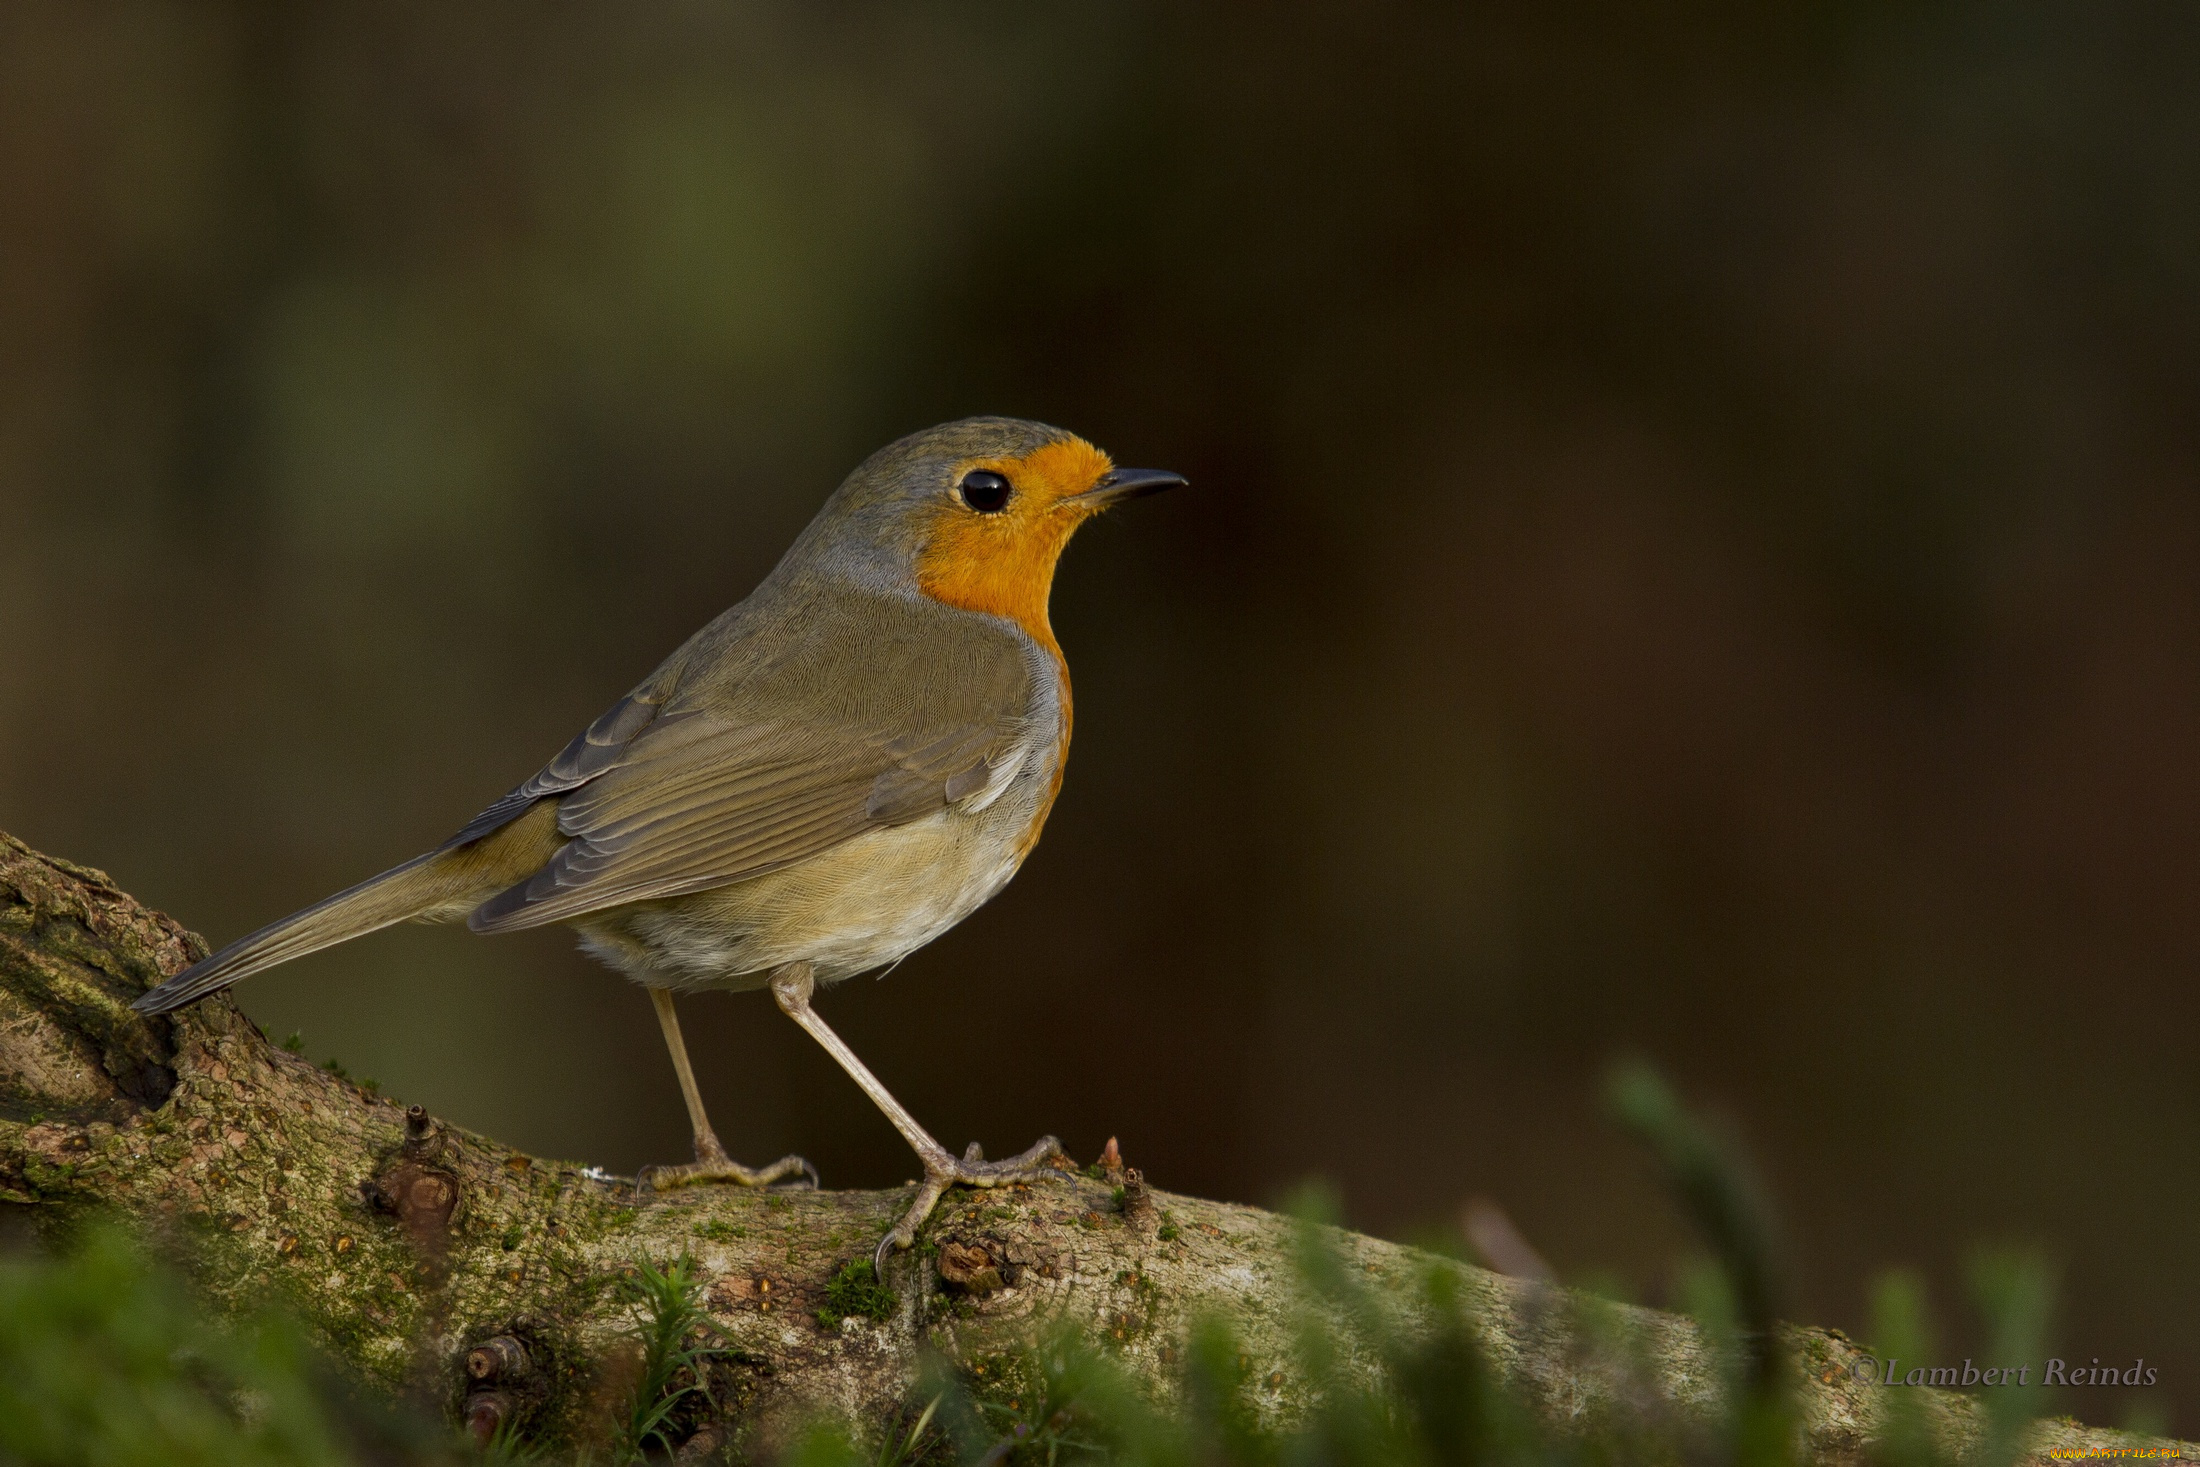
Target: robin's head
973,513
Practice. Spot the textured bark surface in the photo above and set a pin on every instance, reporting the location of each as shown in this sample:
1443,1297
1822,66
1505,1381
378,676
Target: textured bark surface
453,1269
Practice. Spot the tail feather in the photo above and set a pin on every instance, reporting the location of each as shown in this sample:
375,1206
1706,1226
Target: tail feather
422,887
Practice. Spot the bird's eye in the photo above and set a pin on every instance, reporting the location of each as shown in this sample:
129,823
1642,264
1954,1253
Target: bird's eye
985,491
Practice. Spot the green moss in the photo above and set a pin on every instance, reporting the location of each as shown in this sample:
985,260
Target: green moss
855,1292
718,1230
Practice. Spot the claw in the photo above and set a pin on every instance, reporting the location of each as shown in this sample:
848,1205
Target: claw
720,1169
942,1171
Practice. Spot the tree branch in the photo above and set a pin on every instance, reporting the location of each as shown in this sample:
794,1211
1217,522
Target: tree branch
443,1265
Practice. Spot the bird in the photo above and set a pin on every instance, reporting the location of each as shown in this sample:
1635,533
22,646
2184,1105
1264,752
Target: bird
826,777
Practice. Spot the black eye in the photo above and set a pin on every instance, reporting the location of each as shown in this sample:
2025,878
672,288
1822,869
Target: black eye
985,491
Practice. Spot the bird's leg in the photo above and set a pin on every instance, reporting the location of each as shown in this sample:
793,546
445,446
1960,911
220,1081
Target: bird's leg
792,986
711,1163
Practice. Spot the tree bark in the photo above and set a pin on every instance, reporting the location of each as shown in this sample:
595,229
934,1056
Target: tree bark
445,1266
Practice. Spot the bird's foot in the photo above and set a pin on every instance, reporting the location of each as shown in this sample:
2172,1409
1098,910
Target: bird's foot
711,1164
942,1171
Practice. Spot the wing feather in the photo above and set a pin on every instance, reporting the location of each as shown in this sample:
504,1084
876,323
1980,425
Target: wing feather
592,751
676,791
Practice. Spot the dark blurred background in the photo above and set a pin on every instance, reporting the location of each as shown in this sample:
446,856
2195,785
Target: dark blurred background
1693,553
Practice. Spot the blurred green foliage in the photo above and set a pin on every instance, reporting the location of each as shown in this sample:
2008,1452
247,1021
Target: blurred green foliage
677,1352
106,1359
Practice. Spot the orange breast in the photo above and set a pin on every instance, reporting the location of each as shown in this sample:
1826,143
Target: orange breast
1003,564
1061,762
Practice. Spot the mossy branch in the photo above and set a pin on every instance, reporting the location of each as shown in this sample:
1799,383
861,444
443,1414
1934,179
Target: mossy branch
499,1286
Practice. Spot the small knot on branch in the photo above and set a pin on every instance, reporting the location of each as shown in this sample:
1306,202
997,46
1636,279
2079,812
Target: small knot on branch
424,1136
969,1268
504,1387
1138,1205
486,1413
417,1188
496,1359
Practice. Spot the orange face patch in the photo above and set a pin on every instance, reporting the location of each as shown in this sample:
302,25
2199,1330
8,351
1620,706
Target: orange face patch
1004,563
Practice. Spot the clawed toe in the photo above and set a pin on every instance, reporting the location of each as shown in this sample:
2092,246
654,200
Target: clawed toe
973,1170
723,1169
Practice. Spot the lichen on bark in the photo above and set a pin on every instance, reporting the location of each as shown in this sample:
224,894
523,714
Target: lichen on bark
437,1263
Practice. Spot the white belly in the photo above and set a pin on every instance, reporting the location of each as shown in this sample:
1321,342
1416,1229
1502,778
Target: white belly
863,904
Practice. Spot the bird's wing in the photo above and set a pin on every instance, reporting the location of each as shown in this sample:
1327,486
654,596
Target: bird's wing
593,750
707,790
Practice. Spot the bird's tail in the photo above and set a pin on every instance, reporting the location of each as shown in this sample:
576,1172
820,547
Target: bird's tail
444,883
411,890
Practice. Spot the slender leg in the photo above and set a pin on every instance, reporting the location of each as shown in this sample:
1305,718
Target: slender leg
792,986
711,1163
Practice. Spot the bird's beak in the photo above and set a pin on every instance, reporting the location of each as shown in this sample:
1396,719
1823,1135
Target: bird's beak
1121,484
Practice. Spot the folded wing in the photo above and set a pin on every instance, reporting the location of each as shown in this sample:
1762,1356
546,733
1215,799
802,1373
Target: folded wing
668,795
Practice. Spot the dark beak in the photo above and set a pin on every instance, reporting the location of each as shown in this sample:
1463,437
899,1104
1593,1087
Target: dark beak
1125,484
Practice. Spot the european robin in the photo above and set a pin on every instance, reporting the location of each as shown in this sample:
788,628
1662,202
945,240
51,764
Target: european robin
819,782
